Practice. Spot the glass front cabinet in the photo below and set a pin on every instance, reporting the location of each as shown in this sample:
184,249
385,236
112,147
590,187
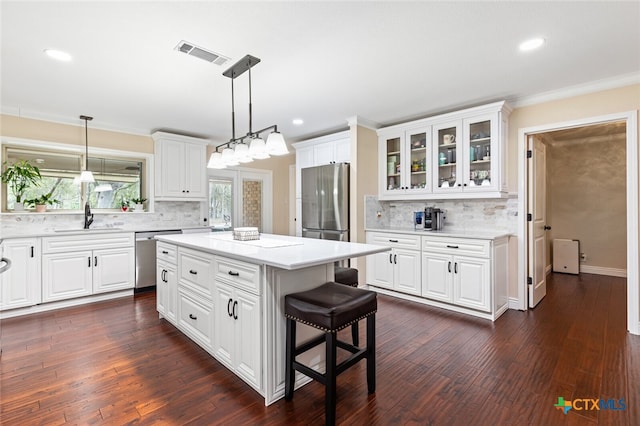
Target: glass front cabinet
463,156
406,157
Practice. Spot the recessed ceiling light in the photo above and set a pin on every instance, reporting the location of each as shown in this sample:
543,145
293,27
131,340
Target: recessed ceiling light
58,54
531,44
298,121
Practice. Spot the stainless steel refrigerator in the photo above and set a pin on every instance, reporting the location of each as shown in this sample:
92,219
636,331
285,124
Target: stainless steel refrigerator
325,202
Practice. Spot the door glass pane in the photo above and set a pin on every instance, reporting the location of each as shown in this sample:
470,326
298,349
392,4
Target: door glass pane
252,203
480,153
447,157
393,164
220,203
418,149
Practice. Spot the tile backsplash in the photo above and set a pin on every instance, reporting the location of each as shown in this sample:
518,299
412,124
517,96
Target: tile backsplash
460,215
166,215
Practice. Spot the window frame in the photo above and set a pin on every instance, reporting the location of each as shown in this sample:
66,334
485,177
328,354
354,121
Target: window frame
147,177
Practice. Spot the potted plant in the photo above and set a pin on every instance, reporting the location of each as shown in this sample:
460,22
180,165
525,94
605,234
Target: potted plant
19,176
41,202
137,204
124,205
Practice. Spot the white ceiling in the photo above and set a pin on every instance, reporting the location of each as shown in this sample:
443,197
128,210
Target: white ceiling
323,62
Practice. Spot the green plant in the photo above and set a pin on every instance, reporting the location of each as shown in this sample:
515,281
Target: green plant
19,176
138,200
124,203
44,199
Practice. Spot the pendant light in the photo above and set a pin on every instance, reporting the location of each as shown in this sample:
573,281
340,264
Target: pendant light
244,149
86,176
103,187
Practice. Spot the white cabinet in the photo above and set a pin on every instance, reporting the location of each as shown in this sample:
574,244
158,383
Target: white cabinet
167,281
398,269
20,286
465,156
405,161
82,265
180,167
237,337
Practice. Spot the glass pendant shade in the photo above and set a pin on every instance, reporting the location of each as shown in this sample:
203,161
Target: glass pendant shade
86,176
258,149
241,153
276,144
215,161
103,187
228,157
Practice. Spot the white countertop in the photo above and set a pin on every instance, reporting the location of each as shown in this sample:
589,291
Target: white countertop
452,232
280,251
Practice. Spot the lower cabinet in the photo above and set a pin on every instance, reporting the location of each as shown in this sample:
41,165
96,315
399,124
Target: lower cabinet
21,286
167,291
398,269
195,318
237,341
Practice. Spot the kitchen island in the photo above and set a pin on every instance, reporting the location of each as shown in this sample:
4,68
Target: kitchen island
228,297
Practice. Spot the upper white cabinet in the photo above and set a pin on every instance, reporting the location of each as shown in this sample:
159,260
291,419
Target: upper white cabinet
334,148
180,167
20,286
464,156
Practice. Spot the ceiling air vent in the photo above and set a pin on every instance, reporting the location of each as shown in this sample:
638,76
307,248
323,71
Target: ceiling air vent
199,52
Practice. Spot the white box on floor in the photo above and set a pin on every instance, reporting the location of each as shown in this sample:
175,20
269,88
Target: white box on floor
566,256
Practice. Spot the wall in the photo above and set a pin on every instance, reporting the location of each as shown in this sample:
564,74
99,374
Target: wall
27,128
587,199
280,168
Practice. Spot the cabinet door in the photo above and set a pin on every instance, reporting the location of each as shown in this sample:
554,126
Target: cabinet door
391,164
323,153
447,157
195,319
171,171
417,173
248,348
482,153
437,277
171,300
162,289
406,265
66,275
195,171
380,269
342,151
21,284
224,331
113,269
304,159
471,282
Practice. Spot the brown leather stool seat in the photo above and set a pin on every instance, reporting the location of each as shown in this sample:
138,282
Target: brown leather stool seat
348,276
330,308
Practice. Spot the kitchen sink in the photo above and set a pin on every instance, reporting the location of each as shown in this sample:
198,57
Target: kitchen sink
87,230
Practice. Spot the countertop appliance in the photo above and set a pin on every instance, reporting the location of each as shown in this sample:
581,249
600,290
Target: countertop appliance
146,257
433,219
325,202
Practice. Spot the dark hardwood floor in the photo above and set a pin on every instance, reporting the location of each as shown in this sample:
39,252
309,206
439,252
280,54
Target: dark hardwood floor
116,363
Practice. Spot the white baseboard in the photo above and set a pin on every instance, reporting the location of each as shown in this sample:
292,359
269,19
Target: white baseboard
600,270
514,303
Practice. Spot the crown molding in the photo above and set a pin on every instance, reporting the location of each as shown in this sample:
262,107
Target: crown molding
363,122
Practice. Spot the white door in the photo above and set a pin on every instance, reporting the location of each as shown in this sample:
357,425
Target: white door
380,269
66,275
536,232
113,269
471,282
437,277
224,330
407,271
248,348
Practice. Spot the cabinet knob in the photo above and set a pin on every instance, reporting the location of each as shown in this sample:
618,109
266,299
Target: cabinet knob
547,228
192,272
165,252
193,317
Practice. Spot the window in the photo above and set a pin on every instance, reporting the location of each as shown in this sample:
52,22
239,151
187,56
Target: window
117,179
220,202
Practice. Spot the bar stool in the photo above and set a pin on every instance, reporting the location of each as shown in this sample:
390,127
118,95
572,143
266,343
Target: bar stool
330,308
348,276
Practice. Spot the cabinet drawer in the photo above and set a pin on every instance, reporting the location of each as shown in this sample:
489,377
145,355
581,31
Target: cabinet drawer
459,246
196,319
196,271
240,274
394,240
89,241
167,252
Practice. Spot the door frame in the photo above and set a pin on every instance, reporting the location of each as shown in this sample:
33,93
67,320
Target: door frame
633,290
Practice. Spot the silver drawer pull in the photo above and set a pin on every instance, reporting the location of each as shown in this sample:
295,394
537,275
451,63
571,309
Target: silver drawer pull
191,271
193,317
448,246
234,274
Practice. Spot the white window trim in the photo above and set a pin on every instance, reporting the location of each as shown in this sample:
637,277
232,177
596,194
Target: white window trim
236,175
93,152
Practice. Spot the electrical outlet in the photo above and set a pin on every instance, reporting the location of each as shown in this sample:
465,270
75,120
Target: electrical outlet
583,257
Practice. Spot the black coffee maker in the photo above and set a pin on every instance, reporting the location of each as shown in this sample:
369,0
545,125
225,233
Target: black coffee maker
432,219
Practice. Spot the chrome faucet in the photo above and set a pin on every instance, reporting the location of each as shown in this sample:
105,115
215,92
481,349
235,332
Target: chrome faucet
88,216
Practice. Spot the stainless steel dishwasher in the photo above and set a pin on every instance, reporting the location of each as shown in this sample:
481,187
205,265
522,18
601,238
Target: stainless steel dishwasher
146,258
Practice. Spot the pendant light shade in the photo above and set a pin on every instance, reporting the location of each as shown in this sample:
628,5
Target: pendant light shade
276,144
215,161
258,149
86,176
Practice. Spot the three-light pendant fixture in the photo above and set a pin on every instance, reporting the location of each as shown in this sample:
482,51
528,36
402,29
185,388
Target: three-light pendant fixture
245,149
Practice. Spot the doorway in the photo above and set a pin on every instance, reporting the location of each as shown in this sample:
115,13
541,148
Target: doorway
559,137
